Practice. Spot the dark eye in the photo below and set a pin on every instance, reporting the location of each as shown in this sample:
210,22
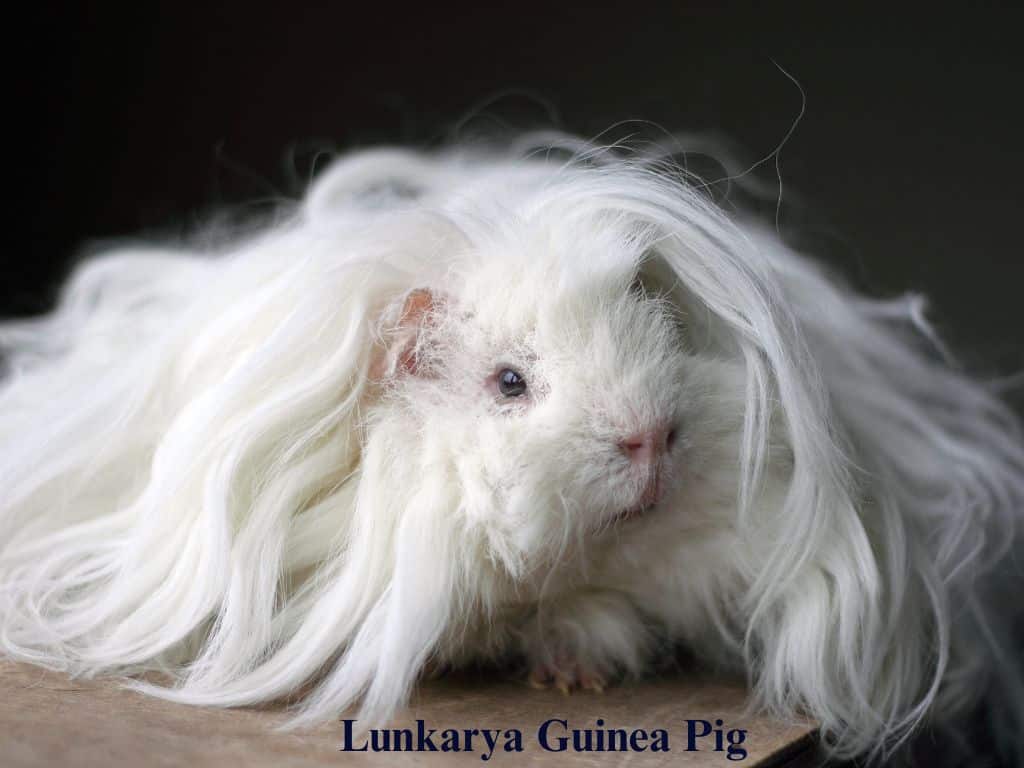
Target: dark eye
511,383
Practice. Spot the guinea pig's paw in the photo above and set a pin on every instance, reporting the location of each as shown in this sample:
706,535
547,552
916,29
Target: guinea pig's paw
566,675
583,641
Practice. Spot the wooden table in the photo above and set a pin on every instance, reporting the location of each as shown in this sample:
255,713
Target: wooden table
47,719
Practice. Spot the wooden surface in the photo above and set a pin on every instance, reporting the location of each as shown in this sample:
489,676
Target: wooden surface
47,719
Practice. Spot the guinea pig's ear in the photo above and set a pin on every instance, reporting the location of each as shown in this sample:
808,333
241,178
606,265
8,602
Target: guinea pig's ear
402,349
655,279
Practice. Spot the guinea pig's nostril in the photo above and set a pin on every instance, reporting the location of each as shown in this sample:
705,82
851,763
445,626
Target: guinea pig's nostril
645,447
638,447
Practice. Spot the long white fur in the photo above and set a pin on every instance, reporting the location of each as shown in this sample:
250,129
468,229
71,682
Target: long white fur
213,465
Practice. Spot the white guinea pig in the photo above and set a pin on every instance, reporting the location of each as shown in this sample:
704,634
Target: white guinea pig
485,406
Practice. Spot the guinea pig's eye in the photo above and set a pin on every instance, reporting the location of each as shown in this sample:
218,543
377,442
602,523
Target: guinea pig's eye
511,383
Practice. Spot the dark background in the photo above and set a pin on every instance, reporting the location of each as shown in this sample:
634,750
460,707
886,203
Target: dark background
905,171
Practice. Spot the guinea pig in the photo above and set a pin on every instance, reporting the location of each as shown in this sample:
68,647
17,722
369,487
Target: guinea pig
494,406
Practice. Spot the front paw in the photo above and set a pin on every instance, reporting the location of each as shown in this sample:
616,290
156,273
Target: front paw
566,675
584,640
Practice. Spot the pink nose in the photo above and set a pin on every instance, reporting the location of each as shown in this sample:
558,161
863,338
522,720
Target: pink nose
647,447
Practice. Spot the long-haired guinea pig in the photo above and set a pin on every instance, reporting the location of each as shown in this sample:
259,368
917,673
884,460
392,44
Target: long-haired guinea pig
483,406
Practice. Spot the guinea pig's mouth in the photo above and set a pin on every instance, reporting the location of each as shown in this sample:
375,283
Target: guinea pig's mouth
631,513
649,499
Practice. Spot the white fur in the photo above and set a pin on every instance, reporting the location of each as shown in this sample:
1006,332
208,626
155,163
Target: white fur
217,465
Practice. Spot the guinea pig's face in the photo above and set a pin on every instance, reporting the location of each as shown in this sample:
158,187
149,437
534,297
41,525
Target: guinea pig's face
562,415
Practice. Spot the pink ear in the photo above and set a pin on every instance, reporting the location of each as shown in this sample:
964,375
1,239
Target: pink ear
418,304
399,354
418,308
